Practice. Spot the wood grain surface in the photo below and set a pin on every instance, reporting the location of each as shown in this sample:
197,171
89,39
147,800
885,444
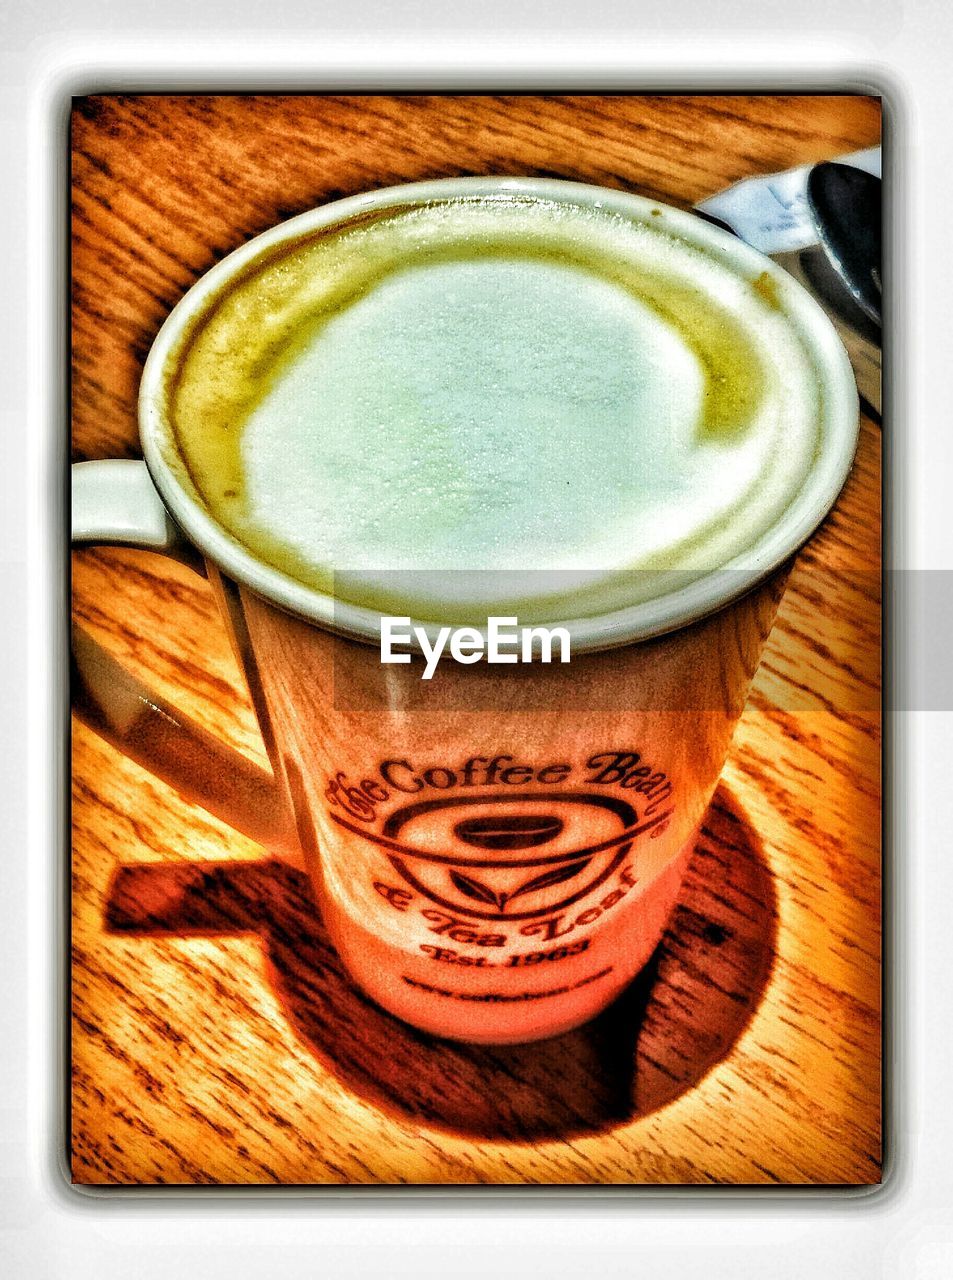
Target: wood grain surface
214,1036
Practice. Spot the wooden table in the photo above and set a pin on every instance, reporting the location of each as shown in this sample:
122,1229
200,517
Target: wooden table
215,1039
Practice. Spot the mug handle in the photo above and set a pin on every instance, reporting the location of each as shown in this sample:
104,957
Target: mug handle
115,503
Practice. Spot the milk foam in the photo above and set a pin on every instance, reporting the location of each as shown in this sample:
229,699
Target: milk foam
495,385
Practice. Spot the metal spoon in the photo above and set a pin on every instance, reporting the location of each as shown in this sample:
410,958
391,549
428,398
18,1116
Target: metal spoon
845,205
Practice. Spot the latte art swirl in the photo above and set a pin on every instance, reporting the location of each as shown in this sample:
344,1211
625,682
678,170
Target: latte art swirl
546,395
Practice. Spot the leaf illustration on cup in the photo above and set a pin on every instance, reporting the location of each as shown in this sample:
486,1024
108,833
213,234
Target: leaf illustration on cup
470,887
473,888
549,878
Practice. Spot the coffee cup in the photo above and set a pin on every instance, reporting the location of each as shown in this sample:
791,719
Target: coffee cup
521,399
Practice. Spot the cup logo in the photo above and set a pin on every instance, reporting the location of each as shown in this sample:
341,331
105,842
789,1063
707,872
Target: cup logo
509,857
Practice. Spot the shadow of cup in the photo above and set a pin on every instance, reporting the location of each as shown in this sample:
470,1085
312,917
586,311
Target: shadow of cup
660,1038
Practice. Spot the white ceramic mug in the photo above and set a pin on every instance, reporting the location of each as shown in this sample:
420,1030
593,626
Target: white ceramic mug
495,853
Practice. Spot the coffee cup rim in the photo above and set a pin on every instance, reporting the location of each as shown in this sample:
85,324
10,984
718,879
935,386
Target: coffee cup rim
703,595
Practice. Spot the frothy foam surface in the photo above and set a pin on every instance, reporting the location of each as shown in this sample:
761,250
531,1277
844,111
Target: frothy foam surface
495,384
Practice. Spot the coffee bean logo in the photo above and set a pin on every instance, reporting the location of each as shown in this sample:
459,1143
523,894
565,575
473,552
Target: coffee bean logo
517,831
508,856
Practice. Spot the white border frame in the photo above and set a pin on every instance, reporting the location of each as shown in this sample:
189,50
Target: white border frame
903,1230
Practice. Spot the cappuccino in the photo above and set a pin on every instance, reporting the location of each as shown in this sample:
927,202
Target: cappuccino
544,394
